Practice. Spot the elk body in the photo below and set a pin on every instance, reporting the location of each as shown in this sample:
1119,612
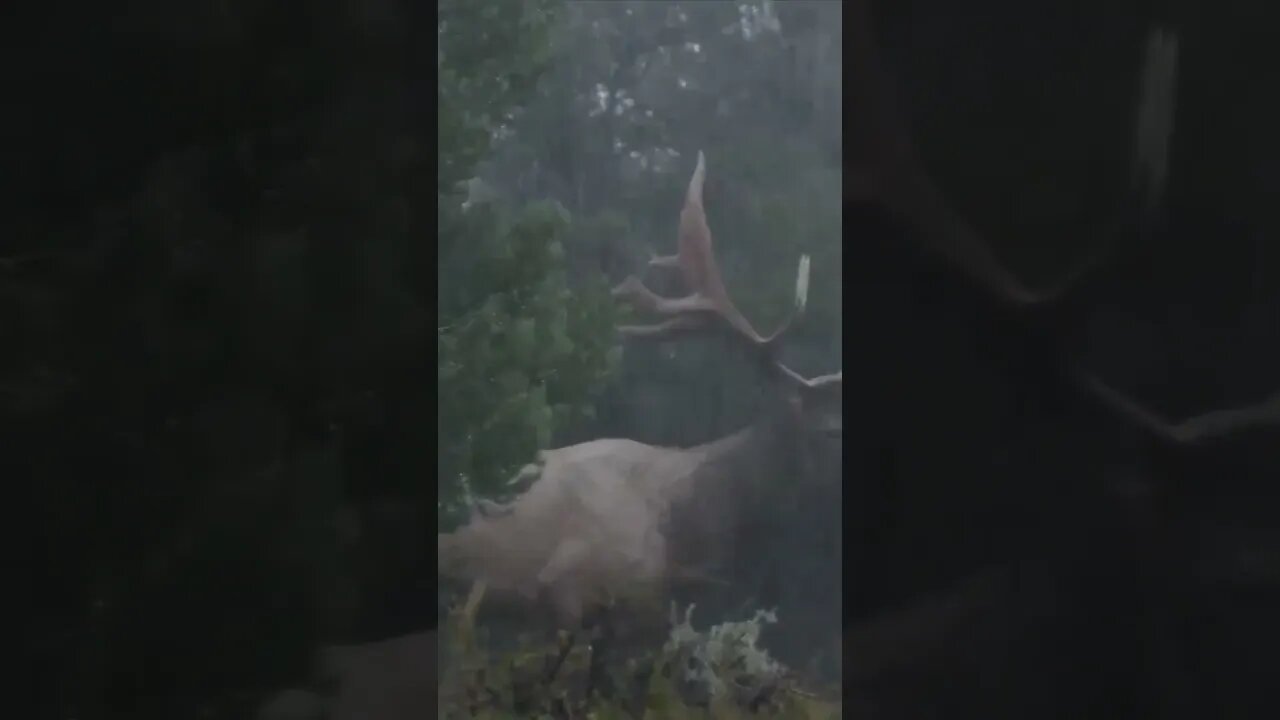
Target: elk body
587,530
615,520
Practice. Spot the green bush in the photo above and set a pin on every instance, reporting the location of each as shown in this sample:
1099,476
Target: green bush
719,673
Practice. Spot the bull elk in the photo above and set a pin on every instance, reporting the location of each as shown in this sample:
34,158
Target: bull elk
615,519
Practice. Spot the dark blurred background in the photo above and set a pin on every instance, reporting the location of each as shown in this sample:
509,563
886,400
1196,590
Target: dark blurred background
197,349
1138,575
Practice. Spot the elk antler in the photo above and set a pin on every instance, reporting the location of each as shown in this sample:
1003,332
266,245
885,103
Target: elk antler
707,298
708,301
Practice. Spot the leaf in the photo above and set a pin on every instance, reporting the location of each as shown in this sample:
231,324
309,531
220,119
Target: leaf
513,382
524,338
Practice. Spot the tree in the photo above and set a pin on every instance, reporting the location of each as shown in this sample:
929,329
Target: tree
520,351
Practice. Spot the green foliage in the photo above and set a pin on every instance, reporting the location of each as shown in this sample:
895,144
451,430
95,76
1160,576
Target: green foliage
490,56
520,351
719,673
526,361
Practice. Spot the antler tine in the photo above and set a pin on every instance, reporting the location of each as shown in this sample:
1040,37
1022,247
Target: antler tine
707,298
827,384
820,383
